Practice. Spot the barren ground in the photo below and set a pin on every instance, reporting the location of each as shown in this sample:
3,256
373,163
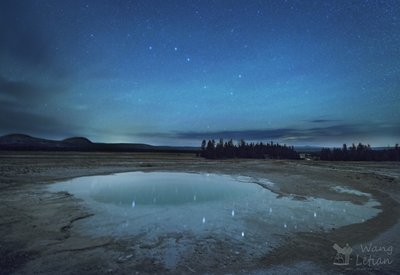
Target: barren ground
38,236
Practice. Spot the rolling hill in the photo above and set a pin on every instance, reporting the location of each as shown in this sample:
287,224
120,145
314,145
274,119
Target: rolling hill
21,142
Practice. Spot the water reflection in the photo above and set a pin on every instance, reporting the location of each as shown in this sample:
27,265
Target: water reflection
160,202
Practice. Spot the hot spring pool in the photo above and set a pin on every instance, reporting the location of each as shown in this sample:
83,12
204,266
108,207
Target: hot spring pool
232,209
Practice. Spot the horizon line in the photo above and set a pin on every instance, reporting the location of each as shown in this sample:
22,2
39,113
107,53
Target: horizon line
236,141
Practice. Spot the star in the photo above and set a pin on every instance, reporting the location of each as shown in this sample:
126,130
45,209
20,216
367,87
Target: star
241,65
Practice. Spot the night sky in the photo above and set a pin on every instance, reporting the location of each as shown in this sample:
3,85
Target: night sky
175,72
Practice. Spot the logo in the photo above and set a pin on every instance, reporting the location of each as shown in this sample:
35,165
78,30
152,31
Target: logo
342,254
367,256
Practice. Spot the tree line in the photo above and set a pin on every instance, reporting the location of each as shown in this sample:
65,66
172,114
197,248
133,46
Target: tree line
227,149
360,152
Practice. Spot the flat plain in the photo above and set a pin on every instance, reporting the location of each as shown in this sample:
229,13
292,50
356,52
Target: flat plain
38,235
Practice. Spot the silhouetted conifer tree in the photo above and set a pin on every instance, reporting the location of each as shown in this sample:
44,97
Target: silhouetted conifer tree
246,150
360,153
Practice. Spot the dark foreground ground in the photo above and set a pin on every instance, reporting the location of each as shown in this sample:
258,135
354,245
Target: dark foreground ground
37,227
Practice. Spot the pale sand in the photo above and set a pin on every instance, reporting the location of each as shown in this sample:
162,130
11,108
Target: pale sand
37,227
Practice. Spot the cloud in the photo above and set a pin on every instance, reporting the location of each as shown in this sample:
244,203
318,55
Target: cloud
339,132
248,134
20,102
13,121
25,42
18,92
276,134
322,120
19,35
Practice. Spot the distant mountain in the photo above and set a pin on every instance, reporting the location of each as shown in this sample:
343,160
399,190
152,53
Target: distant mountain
21,139
15,141
22,142
77,141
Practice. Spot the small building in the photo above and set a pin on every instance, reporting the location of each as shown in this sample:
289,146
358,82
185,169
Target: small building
305,156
